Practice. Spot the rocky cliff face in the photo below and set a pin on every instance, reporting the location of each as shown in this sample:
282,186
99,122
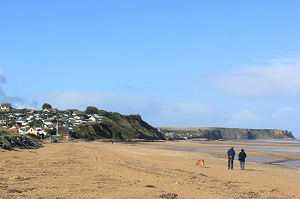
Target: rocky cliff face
119,127
231,134
126,127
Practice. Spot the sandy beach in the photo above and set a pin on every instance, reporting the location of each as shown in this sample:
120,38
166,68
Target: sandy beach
145,170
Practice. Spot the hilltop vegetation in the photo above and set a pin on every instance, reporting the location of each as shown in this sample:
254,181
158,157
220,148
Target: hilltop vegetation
116,126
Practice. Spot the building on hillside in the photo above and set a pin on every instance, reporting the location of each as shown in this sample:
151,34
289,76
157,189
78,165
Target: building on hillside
93,119
22,130
13,129
5,107
36,131
31,131
65,133
54,111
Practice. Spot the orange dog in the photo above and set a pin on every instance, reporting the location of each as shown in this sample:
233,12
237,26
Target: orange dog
200,163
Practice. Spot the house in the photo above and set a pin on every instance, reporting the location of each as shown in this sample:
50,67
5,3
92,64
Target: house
21,120
54,110
93,119
46,110
23,129
50,122
31,131
13,129
41,131
5,107
65,133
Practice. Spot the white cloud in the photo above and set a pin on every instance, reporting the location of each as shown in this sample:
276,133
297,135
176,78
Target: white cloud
278,78
284,115
16,102
264,95
194,108
2,77
107,101
190,113
242,116
156,113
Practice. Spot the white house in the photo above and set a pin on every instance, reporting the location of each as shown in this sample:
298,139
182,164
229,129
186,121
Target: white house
5,107
31,131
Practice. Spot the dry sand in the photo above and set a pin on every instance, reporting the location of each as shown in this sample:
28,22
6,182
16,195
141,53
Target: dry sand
142,170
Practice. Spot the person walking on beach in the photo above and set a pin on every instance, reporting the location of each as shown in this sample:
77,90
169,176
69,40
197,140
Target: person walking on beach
242,157
230,154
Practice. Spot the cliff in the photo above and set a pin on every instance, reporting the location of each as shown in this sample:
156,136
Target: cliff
230,133
118,127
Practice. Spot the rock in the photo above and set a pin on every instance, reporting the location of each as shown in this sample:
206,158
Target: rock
18,141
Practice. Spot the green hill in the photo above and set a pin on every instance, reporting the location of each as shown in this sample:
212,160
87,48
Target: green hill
119,127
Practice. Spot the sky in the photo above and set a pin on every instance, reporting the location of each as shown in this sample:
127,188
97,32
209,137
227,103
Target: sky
176,63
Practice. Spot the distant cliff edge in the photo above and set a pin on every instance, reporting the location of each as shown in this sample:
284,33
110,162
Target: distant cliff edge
227,133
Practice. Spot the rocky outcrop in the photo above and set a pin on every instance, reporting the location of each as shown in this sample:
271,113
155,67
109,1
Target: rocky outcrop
232,133
214,133
18,141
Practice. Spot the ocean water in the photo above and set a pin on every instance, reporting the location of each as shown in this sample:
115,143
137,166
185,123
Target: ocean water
280,161
287,141
290,163
275,161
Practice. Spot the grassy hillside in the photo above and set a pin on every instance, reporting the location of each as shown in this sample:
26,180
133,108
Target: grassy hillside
117,126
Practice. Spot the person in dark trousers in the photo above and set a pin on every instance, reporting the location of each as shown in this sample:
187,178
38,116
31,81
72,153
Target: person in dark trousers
231,154
242,157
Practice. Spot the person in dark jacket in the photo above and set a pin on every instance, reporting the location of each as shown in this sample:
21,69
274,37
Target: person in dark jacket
242,157
231,154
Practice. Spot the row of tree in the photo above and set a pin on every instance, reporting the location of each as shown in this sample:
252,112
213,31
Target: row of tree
89,109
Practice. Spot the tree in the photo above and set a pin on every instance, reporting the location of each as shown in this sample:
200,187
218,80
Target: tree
91,110
51,132
46,106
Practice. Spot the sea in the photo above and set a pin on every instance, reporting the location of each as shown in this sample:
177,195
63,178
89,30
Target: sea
289,163
273,160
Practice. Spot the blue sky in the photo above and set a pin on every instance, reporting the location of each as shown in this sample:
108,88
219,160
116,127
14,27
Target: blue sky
176,63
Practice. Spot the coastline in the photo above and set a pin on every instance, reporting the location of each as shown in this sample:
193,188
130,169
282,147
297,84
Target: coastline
144,170
279,152
282,152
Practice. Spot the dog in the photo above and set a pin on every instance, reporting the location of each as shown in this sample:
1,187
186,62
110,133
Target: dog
200,163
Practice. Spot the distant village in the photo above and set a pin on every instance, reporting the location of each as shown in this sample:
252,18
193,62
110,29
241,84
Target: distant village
47,121
51,121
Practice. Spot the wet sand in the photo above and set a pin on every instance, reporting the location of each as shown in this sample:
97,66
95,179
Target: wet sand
144,170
